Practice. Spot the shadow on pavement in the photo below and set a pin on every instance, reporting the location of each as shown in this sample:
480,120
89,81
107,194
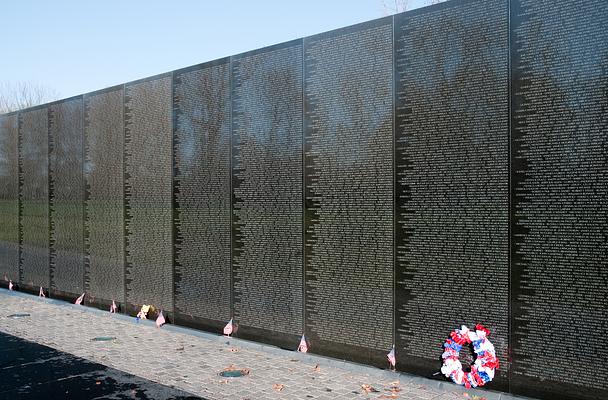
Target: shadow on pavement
33,371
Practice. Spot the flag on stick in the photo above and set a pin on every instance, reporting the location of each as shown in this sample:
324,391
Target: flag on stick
113,307
303,347
160,321
10,285
391,357
228,328
79,299
41,293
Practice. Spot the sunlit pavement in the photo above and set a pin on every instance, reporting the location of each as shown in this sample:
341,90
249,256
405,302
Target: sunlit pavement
50,354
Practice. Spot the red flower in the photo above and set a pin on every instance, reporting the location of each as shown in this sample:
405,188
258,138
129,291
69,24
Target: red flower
458,338
480,327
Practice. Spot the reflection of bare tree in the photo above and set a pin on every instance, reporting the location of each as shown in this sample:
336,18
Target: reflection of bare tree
33,129
267,121
148,191
8,156
66,195
104,194
201,117
23,95
202,212
9,195
349,185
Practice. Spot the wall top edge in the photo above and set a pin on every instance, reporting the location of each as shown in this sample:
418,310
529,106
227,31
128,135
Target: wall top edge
10,114
35,108
149,78
203,65
437,7
104,90
388,20
66,100
265,49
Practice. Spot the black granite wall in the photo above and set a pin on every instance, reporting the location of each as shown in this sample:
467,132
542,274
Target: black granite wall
559,192
66,196
452,177
374,185
202,195
104,195
349,190
267,191
9,197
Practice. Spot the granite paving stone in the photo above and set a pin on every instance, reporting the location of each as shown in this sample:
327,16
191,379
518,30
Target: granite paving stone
191,360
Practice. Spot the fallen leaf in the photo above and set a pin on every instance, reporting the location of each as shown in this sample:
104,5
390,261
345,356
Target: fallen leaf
278,387
369,389
393,387
317,368
180,349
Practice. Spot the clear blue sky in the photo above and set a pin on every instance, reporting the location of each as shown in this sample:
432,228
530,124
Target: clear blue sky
77,46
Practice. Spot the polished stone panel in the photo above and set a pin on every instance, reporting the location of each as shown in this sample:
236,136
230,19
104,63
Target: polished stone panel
148,192
349,190
34,197
66,196
374,185
9,197
452,178
559,191
201,141
267,190
104,196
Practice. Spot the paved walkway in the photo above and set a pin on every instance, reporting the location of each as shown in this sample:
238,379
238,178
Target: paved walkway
31,371
190,361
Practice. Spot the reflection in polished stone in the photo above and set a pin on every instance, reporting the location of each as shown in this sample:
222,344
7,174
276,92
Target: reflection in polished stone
66,196
349,186
560,187
148,193
34,192
9,197
202,192
267,188
104,226
452,176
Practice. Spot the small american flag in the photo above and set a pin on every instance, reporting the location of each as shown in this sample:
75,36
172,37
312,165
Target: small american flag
10,285
113,307
303,347
41,293
160,321
391,357
80,299
228,328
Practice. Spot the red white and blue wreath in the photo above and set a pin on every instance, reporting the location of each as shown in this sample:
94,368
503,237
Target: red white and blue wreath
482,369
